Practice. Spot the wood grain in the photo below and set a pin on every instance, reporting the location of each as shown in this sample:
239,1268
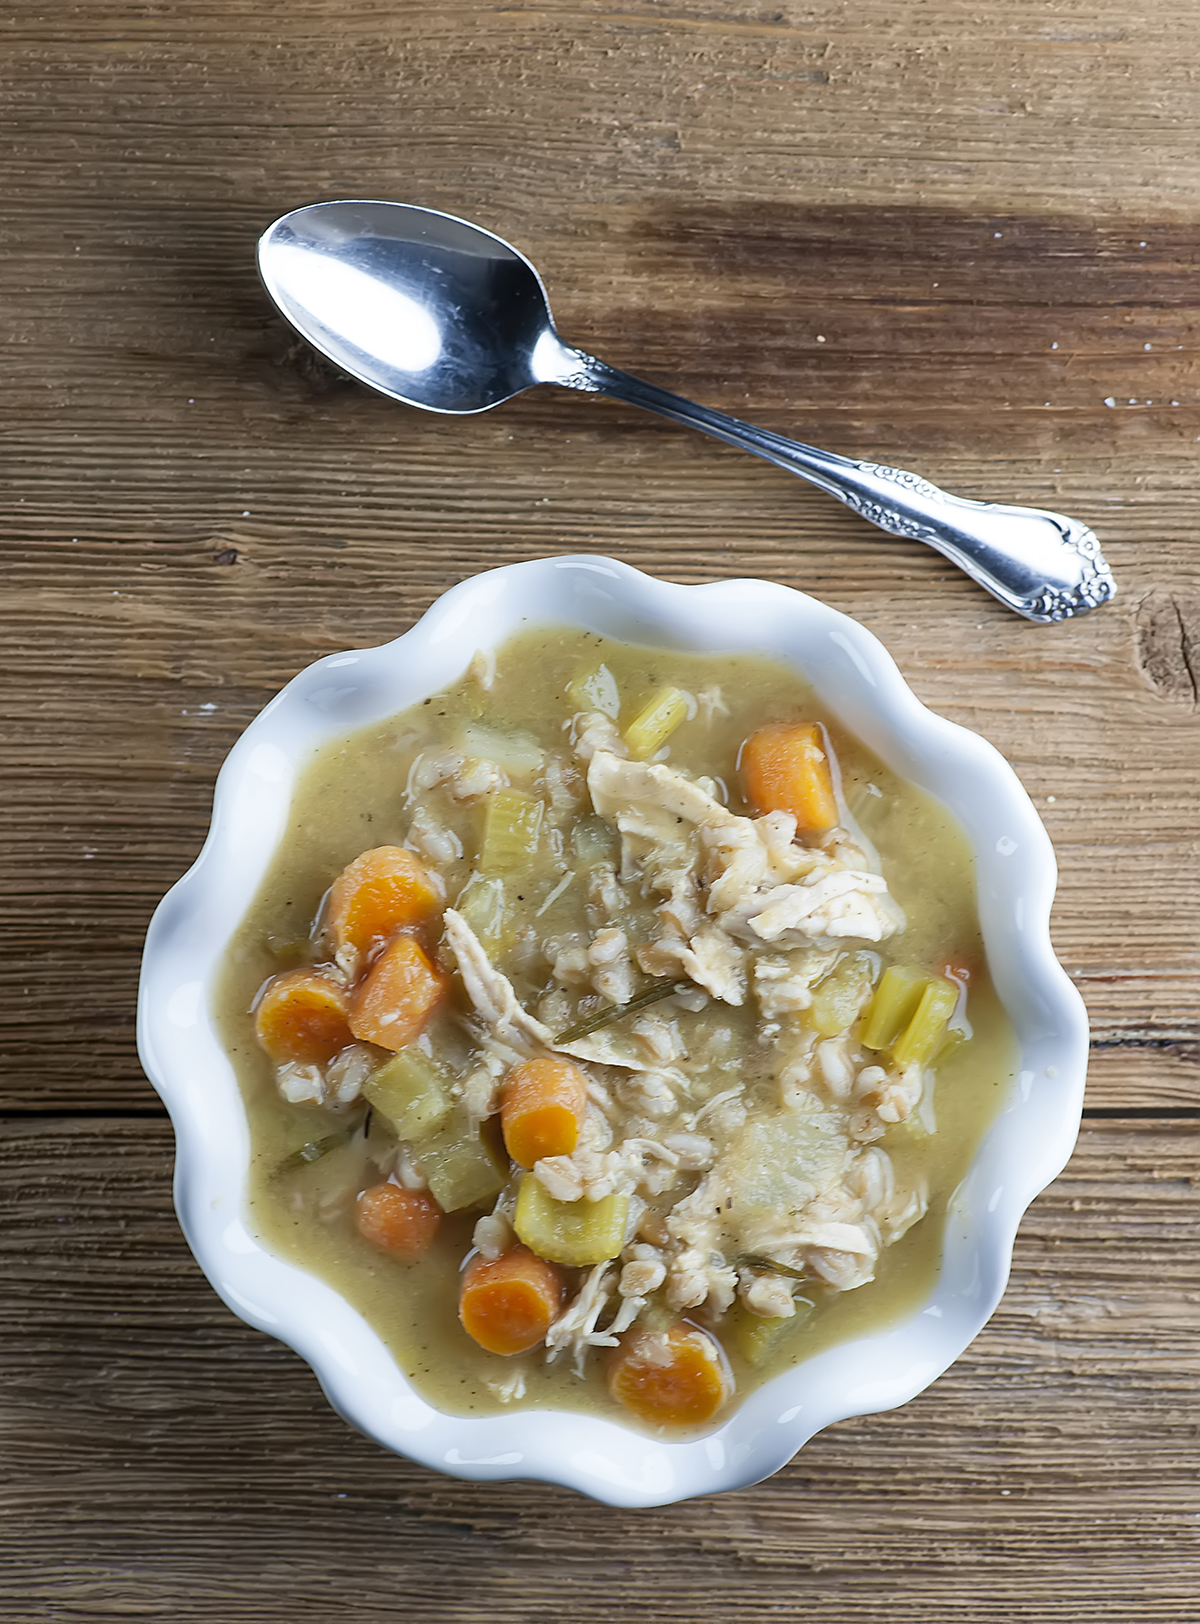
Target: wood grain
196,1464
961,240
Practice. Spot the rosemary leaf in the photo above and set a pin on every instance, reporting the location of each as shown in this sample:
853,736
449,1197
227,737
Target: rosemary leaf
653,994
316,1148
770,1265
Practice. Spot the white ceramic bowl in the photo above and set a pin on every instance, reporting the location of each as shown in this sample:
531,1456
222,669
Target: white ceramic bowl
1026,1147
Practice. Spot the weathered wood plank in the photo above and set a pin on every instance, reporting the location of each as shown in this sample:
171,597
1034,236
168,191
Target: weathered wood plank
197,510
958,240
142,685
161,1456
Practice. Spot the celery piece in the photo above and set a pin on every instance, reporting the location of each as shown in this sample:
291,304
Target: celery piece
511,825
514,752
595,841
952,1040
924,1032
410,1091
838,998
481,903
463,1167
756,1337
656,721
594,688
576,1233
893,1006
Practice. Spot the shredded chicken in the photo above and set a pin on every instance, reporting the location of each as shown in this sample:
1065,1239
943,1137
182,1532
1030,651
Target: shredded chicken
574,1331
491,992
508,1389
736,1129
849,903
783,982
748,875
429,838
597,732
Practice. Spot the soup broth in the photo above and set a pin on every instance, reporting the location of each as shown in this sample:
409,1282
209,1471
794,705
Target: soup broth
662,902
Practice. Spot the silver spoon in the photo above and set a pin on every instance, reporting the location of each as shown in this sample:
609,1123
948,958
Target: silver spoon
441,314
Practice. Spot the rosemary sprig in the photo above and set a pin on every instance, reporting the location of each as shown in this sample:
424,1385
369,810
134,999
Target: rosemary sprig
772,1267
316,1148
653,994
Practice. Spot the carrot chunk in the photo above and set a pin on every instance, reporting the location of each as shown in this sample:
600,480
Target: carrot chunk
670,1378
379,893
542,1109
302,1017
507,1306
400,1222
401,991
785,768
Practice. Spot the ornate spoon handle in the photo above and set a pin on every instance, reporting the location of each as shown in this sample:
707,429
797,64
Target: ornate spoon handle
1042,564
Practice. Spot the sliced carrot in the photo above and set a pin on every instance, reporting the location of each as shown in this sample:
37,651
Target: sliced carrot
401,1222
401,991
670,1378
785,768
508,1305
542,1109
302,1017
379,893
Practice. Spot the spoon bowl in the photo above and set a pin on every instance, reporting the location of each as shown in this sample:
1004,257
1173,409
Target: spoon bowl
440,314
428,309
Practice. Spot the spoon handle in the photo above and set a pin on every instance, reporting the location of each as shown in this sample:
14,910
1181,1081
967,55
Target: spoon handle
1042,564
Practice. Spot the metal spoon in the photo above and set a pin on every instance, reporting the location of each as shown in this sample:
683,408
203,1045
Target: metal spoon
441,314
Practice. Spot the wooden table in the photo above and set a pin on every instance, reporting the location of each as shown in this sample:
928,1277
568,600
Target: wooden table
961,238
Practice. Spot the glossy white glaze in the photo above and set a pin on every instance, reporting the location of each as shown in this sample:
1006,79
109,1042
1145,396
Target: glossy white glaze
1026,1147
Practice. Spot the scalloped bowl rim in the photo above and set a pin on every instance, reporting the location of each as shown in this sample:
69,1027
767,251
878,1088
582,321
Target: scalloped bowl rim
1027,1145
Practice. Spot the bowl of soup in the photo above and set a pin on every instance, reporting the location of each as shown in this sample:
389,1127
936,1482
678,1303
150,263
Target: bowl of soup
612,1031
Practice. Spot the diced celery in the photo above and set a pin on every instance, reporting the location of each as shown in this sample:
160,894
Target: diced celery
952,1039
594,688
595,841
576,1233
921,1037
463,1167
511,825
837,999
656,721
411,1092
756,1337
893,1006
514,752
481,903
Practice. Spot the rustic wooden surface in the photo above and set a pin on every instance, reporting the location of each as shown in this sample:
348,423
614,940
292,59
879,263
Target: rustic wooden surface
964,239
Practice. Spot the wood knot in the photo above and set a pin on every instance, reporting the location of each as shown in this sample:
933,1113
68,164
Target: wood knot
227,555
1168,643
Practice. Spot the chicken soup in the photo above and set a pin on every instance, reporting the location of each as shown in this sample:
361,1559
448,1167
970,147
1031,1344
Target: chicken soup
613,1029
